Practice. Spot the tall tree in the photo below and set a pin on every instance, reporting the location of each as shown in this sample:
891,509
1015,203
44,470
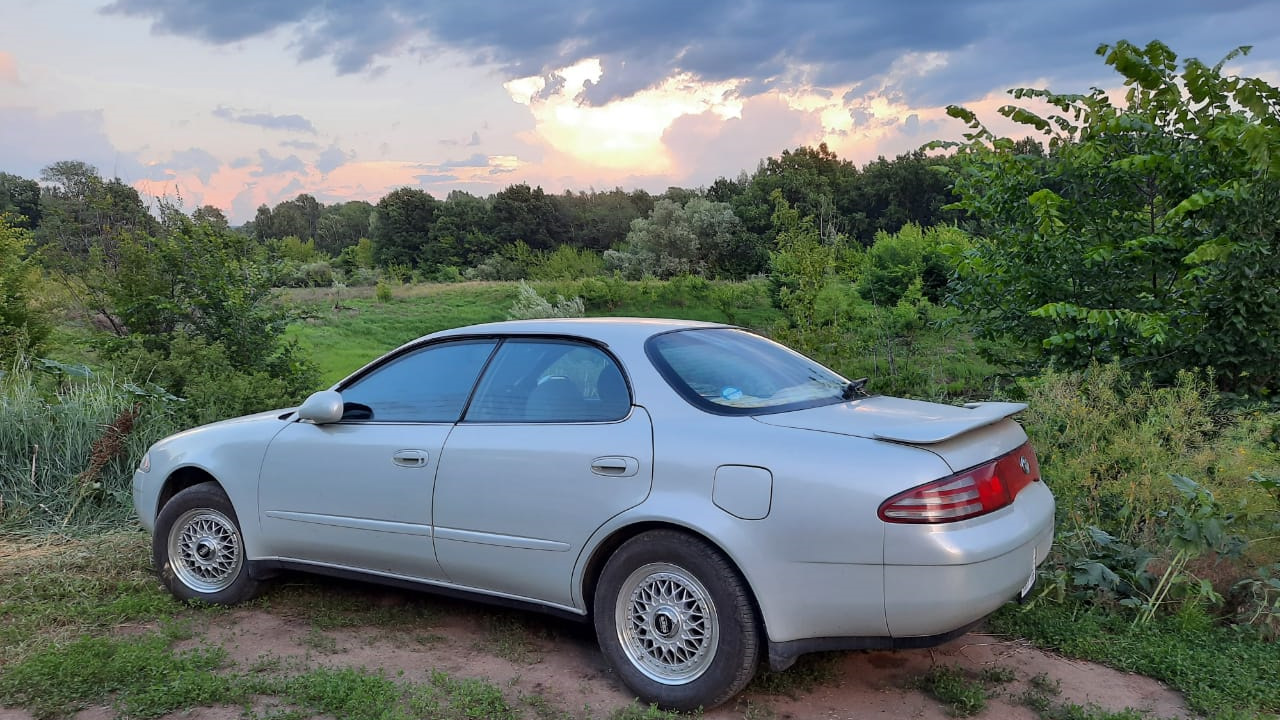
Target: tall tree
524,213
401,226
20,198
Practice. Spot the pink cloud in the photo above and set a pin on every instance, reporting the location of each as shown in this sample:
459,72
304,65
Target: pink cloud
8,69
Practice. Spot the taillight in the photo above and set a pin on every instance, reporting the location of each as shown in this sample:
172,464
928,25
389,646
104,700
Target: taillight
967,494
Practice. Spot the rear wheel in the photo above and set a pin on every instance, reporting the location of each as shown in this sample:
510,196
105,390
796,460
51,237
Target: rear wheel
676,621
198,549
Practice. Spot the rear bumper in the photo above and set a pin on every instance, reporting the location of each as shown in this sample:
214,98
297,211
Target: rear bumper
970,571
782,655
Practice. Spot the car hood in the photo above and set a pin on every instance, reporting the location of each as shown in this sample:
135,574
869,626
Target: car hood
256,418
963,436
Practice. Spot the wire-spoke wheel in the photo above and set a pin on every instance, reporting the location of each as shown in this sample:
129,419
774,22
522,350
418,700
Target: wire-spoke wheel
667,623
205,549
198,547
676,620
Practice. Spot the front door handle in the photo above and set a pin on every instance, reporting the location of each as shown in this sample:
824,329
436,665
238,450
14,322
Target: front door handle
410,458
615,466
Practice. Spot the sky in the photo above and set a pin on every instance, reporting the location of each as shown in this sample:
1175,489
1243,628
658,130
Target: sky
237,103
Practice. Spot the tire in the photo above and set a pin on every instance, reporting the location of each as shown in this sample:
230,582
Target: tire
676,621
198,549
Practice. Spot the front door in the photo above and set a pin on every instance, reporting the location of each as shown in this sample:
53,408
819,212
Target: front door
357,493
549,450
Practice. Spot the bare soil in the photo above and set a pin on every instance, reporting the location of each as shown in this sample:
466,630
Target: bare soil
530,655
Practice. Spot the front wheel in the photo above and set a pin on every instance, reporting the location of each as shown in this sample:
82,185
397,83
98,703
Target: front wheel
198,549
676,621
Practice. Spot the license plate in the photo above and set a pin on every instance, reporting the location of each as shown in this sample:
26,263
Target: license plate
1031,580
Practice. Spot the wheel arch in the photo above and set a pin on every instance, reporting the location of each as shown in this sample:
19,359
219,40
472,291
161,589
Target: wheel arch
181,479
603,550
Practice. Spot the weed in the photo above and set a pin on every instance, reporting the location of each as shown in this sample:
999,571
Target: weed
510,639
997,675
1041,682
320,641
810,672
640,712
951,686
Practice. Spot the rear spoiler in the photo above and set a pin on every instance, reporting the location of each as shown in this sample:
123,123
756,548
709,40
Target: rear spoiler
938,430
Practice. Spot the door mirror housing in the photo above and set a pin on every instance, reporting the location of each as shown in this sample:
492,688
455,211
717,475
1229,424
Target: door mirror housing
322,407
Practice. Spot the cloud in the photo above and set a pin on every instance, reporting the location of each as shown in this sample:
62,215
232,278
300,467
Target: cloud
268,164
193,161
8,70
292,123
30,140
332,159
825,43
474,161
300,144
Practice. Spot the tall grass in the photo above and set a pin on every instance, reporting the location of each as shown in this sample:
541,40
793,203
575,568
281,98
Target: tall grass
68,448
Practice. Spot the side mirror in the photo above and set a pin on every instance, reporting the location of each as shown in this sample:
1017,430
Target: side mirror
322,407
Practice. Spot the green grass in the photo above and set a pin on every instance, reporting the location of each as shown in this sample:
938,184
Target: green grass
808,673
144,675
1220,670
54,593
962,694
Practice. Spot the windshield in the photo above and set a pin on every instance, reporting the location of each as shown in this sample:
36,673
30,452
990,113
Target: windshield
735,372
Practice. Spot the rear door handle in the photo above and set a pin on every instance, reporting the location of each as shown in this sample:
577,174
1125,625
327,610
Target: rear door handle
410,458
615,466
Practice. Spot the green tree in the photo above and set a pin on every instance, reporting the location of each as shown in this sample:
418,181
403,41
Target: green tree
20,198
401,226
698,238
813,181
1151,229
461,235
80,211
527,214
22,326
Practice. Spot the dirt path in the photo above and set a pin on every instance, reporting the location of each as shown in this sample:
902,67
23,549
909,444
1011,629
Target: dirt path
547,663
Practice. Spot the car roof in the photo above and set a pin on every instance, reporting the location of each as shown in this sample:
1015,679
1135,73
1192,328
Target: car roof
609,330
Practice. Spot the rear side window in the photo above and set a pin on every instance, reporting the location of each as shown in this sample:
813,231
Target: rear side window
550,381
733,372
427,385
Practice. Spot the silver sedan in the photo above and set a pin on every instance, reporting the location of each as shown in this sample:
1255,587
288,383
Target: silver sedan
709,499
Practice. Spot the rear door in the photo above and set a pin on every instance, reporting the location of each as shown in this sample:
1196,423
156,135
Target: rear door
549,450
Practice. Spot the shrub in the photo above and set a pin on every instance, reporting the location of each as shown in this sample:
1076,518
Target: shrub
382,292
530,305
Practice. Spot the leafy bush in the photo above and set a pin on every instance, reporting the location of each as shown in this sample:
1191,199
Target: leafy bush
530,305
382,292
911,255
568,263
1148,232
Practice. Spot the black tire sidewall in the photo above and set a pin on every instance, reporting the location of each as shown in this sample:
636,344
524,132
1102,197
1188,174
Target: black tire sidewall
203,496
738,647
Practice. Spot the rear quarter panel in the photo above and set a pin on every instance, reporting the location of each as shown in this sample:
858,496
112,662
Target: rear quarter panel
815,562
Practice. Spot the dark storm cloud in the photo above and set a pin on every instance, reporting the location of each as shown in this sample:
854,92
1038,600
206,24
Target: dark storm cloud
989,43
293,123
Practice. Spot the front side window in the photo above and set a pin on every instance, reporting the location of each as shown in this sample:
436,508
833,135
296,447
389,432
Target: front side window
549,381
734,372
427,385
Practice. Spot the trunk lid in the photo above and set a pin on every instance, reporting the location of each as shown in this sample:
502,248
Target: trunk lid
962,436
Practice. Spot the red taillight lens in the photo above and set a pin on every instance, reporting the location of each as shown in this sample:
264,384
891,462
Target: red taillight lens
967,494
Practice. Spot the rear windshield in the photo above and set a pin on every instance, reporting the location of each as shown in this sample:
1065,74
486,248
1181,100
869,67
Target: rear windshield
734,372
